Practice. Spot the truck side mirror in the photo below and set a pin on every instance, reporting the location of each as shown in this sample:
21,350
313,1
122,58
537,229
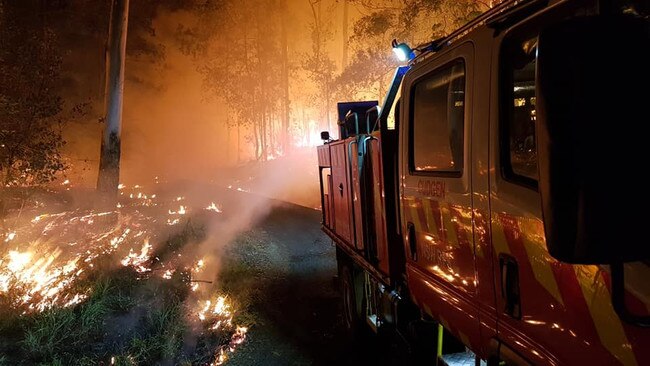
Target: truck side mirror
592,106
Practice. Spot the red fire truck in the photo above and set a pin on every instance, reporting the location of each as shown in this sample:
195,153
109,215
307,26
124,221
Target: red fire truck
489,194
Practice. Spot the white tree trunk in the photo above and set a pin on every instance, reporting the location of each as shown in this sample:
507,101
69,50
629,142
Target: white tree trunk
344,37
284,135
109,163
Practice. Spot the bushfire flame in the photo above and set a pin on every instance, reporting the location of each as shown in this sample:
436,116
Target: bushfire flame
45,257
218,315
137,261
213,207
38,282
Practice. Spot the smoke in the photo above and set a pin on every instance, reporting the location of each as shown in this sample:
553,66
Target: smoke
170,129
176,135
175,130
178,155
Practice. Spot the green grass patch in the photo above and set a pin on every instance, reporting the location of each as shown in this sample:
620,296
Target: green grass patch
61,335
161,337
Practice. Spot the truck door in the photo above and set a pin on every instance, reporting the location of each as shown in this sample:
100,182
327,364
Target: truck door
549,312
435,190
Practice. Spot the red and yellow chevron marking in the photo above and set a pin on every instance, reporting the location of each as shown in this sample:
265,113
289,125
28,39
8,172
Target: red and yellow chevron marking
525,238
586,286
450,228
436,224
608,324
532,232
432,216
462,222
499,241
411,210
583,289
449,223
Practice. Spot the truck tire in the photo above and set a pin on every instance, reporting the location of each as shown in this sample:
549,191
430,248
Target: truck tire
352,320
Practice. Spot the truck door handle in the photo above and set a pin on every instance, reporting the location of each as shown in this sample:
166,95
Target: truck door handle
413,248
510,285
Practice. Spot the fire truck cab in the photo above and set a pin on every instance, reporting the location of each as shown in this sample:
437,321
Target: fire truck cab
481,197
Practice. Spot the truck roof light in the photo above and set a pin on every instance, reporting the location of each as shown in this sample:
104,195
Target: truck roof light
403,51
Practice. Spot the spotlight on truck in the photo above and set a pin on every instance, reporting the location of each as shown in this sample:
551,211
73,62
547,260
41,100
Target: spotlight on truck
403,51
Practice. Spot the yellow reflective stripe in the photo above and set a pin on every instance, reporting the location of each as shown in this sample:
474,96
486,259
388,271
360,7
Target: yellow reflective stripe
406,207
474,236
428,215
450,229
499,237
608,324
468,226
415,218
538,257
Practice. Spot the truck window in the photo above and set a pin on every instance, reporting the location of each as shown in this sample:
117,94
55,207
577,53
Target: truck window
518,119
438,120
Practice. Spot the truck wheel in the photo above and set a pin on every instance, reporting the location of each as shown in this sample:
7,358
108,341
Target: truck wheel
351,319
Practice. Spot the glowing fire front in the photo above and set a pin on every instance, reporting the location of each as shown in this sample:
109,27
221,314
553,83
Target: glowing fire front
42,257
38,283
45,256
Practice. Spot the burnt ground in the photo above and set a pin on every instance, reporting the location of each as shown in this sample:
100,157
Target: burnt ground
279,276
296,304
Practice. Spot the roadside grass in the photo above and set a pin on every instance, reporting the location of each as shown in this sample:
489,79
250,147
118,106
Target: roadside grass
161,336
128,318
67,334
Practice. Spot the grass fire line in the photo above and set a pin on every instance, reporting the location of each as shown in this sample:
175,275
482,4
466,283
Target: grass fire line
122,287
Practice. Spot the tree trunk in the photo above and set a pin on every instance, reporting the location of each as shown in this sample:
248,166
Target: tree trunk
238,141
305,128
261,130
228,143
257,137
327,105
271,138
109,162
344,32
284,135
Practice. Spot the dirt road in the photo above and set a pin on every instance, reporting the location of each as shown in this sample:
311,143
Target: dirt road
296,306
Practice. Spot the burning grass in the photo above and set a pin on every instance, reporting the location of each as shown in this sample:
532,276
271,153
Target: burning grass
119,287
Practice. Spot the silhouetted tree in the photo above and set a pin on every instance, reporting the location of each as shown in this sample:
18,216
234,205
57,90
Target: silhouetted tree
240,50
30,107
413,21
109,159
318,64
